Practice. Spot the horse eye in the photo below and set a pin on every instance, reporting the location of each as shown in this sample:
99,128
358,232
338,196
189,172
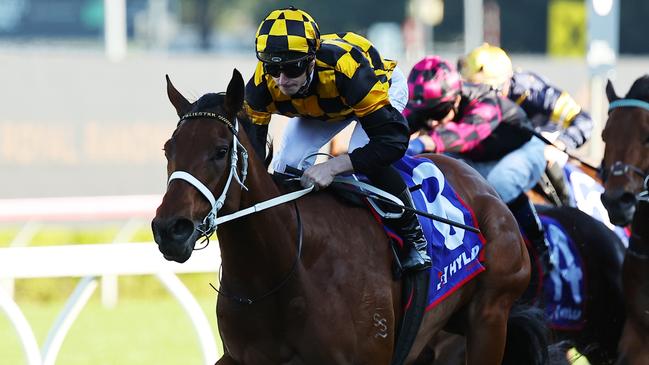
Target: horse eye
221,152
646,142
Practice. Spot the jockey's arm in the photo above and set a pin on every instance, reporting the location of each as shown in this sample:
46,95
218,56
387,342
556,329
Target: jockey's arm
538,96
575,124
388,134
578,131
469,130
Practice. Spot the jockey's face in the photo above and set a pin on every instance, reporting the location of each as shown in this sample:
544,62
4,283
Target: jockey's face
432,123
287,79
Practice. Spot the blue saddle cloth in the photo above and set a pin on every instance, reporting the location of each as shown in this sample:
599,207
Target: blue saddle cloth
456,253
564,289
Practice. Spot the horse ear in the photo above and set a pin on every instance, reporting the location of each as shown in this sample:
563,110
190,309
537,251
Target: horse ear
610,92
234,94
181,104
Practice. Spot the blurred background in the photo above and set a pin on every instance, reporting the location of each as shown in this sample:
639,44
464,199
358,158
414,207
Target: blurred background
84,105
85,114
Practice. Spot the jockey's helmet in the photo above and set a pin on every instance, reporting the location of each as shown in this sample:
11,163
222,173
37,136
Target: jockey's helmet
432,83
487,64
286,36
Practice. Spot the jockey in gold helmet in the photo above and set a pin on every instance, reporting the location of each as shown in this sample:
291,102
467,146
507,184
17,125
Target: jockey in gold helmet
550,109
489,65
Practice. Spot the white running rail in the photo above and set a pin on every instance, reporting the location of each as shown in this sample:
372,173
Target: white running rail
90,262
133,211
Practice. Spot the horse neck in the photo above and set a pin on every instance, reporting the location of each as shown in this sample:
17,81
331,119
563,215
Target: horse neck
259,248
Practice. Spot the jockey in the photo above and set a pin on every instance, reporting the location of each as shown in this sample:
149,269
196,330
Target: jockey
549,108
323,83
490,133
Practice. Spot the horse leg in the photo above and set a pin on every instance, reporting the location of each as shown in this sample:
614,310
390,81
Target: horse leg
446,349
506,277
485,338
634,344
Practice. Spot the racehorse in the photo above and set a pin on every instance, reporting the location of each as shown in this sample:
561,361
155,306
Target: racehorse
602,310
310,282
597,330
584,187
626,180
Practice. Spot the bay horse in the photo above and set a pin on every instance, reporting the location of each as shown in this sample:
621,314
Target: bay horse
310,281
626,181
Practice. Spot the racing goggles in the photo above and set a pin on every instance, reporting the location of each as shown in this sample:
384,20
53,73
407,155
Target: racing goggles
290,70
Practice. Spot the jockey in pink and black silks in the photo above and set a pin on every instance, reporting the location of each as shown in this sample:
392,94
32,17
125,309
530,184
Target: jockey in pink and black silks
463,118
473,123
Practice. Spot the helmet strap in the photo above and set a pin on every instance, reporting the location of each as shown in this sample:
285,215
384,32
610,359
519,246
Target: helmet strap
309,77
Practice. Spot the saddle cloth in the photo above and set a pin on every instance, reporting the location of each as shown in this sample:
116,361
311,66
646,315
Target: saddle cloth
456,253
564,289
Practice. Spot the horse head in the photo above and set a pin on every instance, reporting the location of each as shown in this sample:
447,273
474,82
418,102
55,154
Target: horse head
206,162
625,168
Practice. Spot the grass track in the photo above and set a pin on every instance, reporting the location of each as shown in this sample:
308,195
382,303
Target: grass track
137,331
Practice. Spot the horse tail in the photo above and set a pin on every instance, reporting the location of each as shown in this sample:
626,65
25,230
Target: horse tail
527,337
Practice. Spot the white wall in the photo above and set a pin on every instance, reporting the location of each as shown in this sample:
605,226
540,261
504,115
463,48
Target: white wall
74,123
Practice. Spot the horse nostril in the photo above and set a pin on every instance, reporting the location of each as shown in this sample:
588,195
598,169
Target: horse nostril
181,230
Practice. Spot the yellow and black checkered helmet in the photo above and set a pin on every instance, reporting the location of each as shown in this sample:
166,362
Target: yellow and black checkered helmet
486,64
287,35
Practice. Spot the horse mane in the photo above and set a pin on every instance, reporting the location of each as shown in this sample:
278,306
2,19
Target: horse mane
252,130
640,89
213,100
209,101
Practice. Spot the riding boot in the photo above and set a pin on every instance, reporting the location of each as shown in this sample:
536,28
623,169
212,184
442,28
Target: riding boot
408,227
556,176
530,223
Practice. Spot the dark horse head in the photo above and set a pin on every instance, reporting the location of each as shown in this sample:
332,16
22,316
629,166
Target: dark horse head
625,169
204,161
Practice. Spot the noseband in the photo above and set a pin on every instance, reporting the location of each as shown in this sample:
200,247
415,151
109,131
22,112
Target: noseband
209,224
620,168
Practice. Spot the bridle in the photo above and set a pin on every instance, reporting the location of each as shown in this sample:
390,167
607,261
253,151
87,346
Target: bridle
210,222
620,168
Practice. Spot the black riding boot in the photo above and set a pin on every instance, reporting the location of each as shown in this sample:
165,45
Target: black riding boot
529,221
408,227
555,175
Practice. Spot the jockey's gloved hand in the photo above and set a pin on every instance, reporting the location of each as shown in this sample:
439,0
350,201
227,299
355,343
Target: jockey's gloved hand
321,175
415,147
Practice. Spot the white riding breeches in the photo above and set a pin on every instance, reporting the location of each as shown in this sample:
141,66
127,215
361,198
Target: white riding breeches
304,137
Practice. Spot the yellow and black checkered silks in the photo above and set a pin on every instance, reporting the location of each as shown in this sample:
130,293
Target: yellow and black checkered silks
287,30
350,79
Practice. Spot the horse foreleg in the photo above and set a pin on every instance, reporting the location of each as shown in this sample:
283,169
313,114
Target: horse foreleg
486,334
634,344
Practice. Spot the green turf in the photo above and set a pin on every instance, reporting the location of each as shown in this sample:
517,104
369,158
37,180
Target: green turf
148,326
137,331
